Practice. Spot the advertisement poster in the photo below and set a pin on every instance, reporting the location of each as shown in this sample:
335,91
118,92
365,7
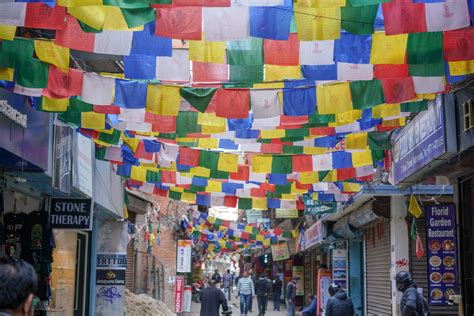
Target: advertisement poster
178,294
339,267
299,272
183,259
280,252
315,234
324,281
281,213
442,243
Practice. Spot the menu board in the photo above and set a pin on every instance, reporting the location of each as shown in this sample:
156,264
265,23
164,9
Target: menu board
441,239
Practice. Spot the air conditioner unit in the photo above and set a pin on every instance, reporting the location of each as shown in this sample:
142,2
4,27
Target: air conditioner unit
468,109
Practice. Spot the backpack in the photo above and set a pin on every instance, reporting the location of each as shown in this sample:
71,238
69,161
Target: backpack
424,309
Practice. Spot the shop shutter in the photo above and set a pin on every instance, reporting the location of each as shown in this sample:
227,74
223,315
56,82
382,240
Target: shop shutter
378,283
419,270
130,272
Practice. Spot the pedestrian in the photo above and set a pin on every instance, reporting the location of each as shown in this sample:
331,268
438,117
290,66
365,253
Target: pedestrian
310,310
412,303
216,277
211,300
245,289
227,283
290,296
339,304
262,290
254,280
18,281
276,289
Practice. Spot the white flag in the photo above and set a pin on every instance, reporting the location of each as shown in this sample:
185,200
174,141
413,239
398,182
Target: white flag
428,84
226,24
132,115
113,153
322,162
449,15
317,52
346,71
32,92
168,153
97,90
113,42
265,103
175,68
288,205
13,13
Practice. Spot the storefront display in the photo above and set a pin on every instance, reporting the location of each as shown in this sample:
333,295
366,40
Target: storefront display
324,281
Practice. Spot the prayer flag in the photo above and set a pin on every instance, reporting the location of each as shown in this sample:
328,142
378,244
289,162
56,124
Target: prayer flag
12,13
265,103
351,72
302,163
199,98
447,15
92,120
210,72
366,94
361,158
459,45
429,84
275,73
163,100
130,94
402,16
317,52
247,52
388,49
188,156
145,42
232,103
322,162
358,20
356,140
65,84
318,23
414,207
209,52
74,37
270,22
180,23
175,68
282,164
458,68
226,24
42,16
320,72
283,53
140,67
354,49
7,32
54,105
334,98
228,162
262,164
97,90
398,90
299,101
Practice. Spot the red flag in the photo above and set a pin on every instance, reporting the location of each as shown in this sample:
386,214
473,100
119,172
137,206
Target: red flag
398,90
345,174
390,71
65,84
188,156
267,187
420,251
210,72
293,120
73,37
230,201
179,23
161,124
302,163
142,153
232,103
168,176
301,186
258,193
459,44
402,16
107,109
241,174
42,16
322,131
272,148
201,3
283,53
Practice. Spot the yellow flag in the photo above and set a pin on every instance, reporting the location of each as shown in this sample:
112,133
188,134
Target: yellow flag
270,85
414,207
356,141
275,73
331,176
272,133
314,150
228,162
289,196
248,229
294,189
92,15
348,117
386,110
259,204
351,187
318,23
201,172
208,143
260,238
427,96
93,120
309,177
163,100
138,173
262,164
210,119
188,197
7,32
78,3
51,53
207,52
334,98
214,186
7,74
459,68
321,3
181,190
206,129
361,158
267,242
54,105
132,143
388,49
395,123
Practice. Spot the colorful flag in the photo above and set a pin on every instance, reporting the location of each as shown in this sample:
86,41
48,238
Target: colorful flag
175,68
226,24
282,53
402,16
334,98
388,49
318,23
270,23
265,103
317,52
180,23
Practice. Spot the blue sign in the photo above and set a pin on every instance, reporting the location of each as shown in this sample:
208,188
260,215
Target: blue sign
442,260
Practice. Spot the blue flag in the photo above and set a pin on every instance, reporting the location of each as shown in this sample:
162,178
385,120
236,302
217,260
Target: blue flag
320,72
147,43
130,94
299,101
270,22
140,67
354,49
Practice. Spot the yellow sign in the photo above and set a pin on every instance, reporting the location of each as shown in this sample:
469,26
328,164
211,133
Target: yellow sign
280,252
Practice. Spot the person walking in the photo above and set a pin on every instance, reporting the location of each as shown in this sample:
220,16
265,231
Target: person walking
211,300
216,277
339,304
253,277
227,283
276,289
412,303
262,290
310,310
290,296
245,289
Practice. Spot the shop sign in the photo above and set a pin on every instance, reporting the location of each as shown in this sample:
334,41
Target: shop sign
82,176
324,281
424,140
183,264
313,207
339,267
70,213
62,159
12,114
442,259
178,294
315,234
280,252
253,216
113,277
111,260
298,271
280,213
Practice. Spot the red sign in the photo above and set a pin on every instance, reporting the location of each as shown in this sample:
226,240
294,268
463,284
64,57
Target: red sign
178,294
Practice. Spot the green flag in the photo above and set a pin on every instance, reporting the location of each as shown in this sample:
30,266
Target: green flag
413,232
199,98
358,3
77,105
248,74
247,52
359,20
416,106
186,123
245,204
379,140
282,164
425,54
366,94
208,159
138,16
32,73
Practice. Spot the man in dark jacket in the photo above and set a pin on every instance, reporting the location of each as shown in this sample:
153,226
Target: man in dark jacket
290,296
277,284
412,303
216,277
211,300
262,289
339,304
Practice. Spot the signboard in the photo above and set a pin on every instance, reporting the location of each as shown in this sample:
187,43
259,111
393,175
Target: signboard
313,207
324,281
339,267
280,213
62,158
178,294
70,213
425,139
315,234
442,259
298,271
253,216
280,252
82,176
110,270
183,264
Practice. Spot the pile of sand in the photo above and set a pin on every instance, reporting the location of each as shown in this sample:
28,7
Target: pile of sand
139,305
